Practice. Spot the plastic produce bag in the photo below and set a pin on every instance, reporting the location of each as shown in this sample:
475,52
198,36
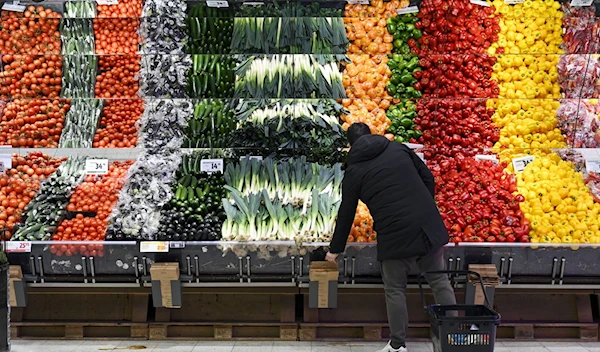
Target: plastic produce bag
579,75
582,30
163,124
148,187
164,76
578,121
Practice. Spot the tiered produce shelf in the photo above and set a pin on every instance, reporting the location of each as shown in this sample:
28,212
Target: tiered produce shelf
188,108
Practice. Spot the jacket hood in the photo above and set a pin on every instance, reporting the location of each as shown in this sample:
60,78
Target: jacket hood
367,147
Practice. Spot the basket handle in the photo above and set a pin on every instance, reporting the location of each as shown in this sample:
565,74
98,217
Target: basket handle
458,272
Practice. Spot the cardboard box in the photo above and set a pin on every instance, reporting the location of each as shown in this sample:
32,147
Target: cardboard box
489,277
323,285
166,288
17,287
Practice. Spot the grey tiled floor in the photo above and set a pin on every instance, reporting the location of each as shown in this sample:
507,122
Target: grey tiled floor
268,346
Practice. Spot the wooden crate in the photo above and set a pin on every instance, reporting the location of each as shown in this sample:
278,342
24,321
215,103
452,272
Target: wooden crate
78,331
223,331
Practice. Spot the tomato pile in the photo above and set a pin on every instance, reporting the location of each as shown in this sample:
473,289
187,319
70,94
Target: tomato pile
117,78
34,31
99,193
476,201
29,76
20,183
96,194
118,124
124,9
116,36
455,126
34,123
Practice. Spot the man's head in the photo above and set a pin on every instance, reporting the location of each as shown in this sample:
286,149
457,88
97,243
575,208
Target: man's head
356,131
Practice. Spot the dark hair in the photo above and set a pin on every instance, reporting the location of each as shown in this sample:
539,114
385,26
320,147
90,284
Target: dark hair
356,131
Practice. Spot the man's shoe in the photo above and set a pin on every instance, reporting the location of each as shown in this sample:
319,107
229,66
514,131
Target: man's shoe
389,348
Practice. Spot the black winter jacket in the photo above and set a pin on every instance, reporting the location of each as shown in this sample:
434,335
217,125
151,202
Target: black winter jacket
399,190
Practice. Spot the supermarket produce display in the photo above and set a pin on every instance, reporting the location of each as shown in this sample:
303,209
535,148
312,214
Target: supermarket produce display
235,117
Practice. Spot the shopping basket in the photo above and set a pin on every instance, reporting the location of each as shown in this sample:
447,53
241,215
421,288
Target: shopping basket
468,328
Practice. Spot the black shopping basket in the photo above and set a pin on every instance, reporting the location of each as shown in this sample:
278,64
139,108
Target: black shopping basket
461,328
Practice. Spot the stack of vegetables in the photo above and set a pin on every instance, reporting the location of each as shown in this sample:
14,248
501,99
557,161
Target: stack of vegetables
285,200
290,127
210,30
211,125
366,77
119,124
289,76
20,183
34,123
48,207
195,213
163,125
30,76
136,216
81,122
212,76
88,211
164,70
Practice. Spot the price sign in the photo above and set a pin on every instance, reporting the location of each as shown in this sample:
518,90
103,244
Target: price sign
582,2
421,155
220,3
480,3
513,2
176,244
520,163
358,2
107,2
154,247
492,158
5,162
254,3
18,247
13,7
211,165
410,9
592,165
96,166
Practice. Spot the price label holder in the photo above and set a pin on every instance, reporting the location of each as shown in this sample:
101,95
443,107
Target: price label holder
492,158
211,165
592,165
220,3
253,3
582,2
154,247
421,155
15,7
177,244
410,9
257,157
18,247
480,3
513,2
96,166
107,2
358,2
5,162
520,163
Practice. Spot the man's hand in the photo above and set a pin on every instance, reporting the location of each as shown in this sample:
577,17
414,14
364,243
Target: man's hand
331,257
